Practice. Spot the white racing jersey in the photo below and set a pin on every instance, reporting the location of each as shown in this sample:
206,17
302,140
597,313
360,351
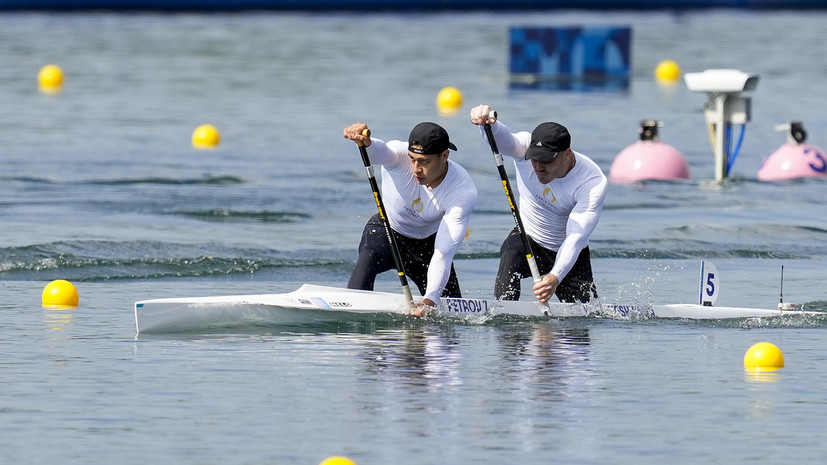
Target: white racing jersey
417,211
562,214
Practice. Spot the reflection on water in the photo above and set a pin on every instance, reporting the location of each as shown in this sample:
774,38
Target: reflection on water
528,366
538,354
761,375
419,357
542,367
58,318
520,378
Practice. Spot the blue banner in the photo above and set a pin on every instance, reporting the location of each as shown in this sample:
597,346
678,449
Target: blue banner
571,58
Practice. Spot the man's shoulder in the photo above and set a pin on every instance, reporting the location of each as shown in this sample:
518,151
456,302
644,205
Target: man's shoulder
583,156
397,146
459,179
587,164
459,170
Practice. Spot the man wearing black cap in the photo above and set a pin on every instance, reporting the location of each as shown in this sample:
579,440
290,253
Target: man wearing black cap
561,197
428,201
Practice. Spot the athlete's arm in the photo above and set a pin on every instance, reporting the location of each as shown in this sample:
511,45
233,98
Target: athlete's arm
581,223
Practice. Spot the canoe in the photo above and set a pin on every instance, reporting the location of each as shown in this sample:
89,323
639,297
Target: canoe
317,304
313,304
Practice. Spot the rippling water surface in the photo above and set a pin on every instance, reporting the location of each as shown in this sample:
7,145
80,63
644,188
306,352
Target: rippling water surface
100,186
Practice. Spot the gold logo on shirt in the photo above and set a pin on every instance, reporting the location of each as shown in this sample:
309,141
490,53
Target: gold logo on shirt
417,204
545,193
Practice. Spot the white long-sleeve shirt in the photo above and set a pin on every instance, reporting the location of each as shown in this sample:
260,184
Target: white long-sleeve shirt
417,211
561,214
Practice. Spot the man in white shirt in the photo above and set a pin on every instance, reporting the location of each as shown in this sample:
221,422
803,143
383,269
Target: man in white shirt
428,201
561,198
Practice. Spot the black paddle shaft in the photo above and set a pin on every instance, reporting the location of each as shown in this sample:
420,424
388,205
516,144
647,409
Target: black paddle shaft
508,192
397,257
529,254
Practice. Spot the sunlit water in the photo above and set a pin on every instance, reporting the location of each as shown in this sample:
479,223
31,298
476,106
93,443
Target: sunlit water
100,186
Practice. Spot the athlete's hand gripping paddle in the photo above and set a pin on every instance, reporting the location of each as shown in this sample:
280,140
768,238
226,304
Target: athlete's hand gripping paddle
498,158
397,257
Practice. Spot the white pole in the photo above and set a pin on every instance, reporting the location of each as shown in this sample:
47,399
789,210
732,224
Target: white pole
720,136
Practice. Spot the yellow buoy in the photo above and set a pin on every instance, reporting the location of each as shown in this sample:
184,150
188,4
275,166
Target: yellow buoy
667,71
60,293
337,460
205,136
449,100
50,78
764,355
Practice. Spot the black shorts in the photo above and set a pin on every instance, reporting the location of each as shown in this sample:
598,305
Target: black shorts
375,257
578,285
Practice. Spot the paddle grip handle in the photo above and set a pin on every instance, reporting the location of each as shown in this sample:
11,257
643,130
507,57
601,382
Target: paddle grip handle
366,133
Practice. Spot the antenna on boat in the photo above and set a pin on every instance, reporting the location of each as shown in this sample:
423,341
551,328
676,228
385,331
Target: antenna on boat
781,304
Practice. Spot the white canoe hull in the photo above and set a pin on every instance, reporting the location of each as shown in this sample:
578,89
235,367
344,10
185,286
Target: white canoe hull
697,312
317,304
313,304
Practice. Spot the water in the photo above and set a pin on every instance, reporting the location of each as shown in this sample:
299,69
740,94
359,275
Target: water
100,186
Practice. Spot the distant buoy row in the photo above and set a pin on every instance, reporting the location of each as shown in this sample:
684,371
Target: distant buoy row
206,136
647,159
50,81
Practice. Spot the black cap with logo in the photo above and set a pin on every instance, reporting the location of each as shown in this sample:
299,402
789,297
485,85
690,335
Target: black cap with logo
431,137
547,141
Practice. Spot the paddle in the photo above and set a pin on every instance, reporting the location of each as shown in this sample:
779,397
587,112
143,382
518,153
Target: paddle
397,257
498,158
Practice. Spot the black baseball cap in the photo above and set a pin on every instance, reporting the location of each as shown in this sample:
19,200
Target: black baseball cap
547,141
431,137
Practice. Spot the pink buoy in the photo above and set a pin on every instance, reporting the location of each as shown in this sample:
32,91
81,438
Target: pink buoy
793,161
648,159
